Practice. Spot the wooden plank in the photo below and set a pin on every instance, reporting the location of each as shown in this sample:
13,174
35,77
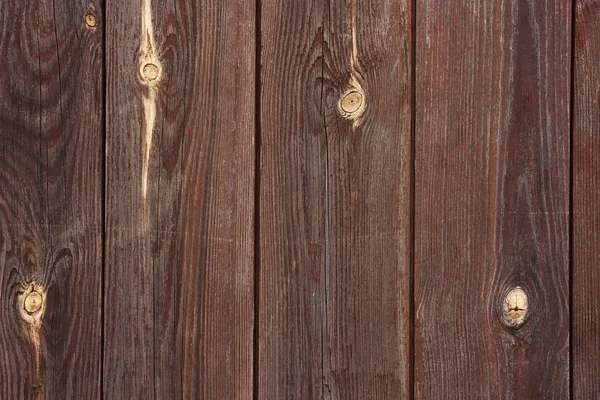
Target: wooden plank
334,200
492,199
180,199
586,213
50,199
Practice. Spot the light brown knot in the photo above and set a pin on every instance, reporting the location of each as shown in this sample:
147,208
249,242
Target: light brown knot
90,20
33,302
150,71
515,308
352,104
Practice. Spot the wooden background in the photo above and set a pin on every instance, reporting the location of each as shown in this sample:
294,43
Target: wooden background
277,199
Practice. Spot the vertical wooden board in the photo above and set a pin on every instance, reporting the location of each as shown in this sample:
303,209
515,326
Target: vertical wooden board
586,192
492,199
50,199
180,198
334,201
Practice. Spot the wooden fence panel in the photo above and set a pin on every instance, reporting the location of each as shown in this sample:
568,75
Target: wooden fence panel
180,199
335,200
586,201
271,170
50,199
492,199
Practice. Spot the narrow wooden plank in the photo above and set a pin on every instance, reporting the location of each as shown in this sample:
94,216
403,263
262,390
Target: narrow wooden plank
51,140
334,201
180,199
492,199
586,192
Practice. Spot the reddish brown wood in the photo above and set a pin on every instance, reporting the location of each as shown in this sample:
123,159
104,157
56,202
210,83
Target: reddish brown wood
492,198
333,208
334,201
50,199
586,194
179,261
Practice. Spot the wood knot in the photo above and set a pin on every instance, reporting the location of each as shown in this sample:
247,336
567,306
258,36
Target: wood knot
352,104
33,302
90,20
150,71
515,308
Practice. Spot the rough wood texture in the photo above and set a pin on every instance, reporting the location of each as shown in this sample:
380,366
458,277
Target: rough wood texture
334,201
492,198
586,210
50,200
180,199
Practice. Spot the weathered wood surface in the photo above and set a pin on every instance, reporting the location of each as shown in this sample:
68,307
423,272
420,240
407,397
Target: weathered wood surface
492,198
334,200
180,199
586,202
51,108
174,290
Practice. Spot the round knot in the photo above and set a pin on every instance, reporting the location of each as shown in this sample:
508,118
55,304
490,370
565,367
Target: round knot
351,102
33,302
515,308
90,20
150,71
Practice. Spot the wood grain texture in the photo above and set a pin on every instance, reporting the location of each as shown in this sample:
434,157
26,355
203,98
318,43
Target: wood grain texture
586,192
180,199
492,198
50,199
334,200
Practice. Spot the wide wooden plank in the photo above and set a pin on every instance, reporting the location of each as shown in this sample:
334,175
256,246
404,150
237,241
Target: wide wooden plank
180,199
586,197
492,199
334,200
51,141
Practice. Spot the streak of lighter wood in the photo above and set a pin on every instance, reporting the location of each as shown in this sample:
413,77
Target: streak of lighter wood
34,326
148,56
354,74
